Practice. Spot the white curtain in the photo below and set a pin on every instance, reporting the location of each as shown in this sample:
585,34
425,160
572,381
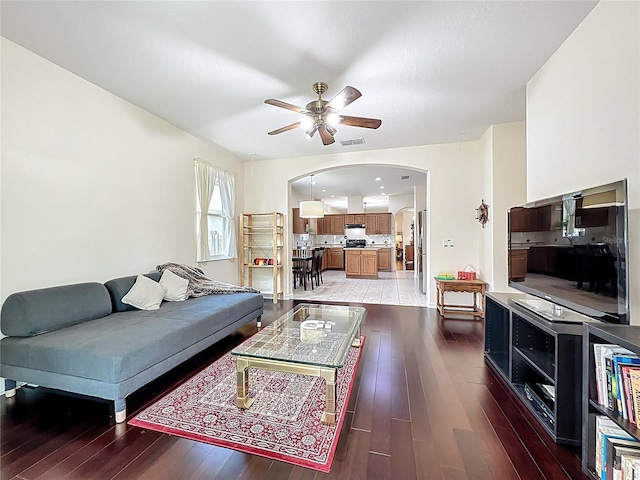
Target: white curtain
206,178
227,184
205,183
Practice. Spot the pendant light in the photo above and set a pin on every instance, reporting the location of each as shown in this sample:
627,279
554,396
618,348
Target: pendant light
311,208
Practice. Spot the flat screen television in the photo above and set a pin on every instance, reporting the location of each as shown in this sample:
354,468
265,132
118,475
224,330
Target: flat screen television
570,250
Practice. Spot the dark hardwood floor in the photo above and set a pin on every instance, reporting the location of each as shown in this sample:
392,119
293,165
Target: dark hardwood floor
424,406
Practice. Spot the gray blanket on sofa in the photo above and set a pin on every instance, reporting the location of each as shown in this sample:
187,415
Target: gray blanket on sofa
200,285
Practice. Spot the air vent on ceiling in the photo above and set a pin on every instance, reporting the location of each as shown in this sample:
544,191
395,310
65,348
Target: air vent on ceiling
355,141
405,177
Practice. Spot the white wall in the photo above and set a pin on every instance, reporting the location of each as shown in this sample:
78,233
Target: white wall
486,270
583,117
93,187
453,168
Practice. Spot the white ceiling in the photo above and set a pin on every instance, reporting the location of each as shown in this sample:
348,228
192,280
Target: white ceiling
434,72
359,181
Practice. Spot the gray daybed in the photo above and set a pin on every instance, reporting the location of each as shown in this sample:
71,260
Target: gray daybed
81,338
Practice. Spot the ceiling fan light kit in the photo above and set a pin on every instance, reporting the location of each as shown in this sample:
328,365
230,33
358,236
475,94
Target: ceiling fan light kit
322,115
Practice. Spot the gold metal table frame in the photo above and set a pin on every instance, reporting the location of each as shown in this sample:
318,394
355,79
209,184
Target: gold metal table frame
244,362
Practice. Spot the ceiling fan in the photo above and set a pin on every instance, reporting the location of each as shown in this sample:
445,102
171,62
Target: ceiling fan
322,116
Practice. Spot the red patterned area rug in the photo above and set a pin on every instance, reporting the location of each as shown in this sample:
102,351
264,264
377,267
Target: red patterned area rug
283,423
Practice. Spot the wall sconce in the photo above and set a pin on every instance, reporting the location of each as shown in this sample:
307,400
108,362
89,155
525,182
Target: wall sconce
482,213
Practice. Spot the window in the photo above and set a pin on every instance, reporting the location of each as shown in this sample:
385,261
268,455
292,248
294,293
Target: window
215,190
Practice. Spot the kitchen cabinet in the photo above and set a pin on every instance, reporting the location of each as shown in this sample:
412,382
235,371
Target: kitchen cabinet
592,217
321,225
299,224
361,263
523,219
358,218
369,260
337,224
377,223
384,260
384,223
335,258
518,264
540,219
371,223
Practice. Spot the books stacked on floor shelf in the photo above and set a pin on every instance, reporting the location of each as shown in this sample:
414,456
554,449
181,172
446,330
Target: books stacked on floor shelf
618,380
617,453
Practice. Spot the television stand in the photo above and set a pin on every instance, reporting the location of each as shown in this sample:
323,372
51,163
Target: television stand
540,361
552,312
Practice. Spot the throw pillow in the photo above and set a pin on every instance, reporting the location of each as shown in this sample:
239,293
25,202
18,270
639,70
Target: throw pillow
145,294
176,286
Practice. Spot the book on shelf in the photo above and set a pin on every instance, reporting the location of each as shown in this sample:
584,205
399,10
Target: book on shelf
622,392
606,429
630,467
612,387
615,449
627,392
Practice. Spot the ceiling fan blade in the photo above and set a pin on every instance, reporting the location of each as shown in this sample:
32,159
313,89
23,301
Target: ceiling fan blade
288,106
327,138
344,98
360,121
285,129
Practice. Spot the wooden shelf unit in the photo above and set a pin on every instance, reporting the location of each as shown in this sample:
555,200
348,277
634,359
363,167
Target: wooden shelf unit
524,348
262,237
626,336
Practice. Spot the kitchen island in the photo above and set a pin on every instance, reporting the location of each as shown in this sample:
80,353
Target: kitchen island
361,262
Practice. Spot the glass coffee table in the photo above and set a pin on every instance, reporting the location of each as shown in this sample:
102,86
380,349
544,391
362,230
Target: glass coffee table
311,339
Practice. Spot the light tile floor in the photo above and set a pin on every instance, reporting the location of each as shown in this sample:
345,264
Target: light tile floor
391,288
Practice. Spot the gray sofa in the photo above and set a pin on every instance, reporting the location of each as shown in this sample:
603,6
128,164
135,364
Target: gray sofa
81,338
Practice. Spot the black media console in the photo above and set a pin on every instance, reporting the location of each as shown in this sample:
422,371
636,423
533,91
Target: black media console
540,360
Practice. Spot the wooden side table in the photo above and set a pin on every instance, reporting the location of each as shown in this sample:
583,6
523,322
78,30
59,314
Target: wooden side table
466,286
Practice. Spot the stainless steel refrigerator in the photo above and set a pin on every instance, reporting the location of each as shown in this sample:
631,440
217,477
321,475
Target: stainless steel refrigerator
421,234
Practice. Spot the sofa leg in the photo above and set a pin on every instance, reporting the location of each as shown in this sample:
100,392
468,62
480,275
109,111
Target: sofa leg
121,416
9,388
259,321
120,408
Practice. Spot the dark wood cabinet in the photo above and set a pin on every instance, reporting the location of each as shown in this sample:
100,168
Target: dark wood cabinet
592,217
518,264
543,218
539,219
516,219
300,224
528,351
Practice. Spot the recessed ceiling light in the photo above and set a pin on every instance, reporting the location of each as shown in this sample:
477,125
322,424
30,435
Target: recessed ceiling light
377,179
381,186
383,193
332,196
314,183
324,190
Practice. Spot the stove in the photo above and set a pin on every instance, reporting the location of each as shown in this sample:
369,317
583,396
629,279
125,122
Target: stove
356,243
